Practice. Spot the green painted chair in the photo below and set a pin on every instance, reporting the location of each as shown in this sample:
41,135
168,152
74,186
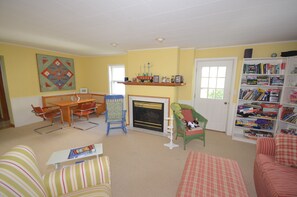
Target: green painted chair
184,112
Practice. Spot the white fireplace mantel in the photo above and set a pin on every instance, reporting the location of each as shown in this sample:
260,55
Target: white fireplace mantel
164,100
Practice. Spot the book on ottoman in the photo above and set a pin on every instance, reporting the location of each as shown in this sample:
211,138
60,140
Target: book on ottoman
81,151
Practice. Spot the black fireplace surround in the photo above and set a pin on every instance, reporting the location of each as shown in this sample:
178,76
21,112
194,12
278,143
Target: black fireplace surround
148,115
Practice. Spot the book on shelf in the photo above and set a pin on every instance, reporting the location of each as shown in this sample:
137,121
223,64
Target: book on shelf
264,68
254,134
277,80
262,80
251,80
255,124
291,118
258,110
250,69
293,96
274,95
289,131
81,151
254,94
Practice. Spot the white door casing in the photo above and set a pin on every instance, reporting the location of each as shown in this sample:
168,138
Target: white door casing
213,81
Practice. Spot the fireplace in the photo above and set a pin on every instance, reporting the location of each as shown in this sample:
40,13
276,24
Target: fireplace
148,113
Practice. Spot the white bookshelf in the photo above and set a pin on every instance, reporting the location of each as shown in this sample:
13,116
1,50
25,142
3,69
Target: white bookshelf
287,120
259,97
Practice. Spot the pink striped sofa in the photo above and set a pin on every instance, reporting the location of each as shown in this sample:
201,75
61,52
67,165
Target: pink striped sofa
20,176
272,178
210,176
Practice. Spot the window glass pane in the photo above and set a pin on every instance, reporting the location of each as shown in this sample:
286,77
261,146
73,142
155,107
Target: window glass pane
211,94
220,82
212,82
222,71
203,93
219,93
118,88
213,71
118,74
205,71
204,82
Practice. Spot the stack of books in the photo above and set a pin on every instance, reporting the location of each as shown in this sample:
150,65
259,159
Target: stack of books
264,68
81,151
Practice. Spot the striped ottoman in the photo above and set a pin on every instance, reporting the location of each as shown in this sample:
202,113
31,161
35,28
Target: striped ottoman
206,175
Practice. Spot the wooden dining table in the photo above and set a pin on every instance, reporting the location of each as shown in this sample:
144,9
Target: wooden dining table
66,107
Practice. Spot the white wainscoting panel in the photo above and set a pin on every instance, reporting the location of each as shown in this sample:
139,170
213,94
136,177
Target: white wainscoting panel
187,102
21,109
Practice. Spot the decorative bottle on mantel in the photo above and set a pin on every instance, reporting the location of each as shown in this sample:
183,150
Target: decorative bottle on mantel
148,69
172,79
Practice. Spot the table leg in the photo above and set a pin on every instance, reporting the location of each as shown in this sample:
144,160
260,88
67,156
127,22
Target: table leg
66,114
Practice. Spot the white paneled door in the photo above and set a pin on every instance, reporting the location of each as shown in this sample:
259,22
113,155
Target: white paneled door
212,91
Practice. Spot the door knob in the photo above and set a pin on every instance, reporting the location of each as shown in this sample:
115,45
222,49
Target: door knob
225,103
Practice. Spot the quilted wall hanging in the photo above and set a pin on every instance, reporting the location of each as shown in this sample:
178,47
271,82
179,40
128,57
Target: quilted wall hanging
55,73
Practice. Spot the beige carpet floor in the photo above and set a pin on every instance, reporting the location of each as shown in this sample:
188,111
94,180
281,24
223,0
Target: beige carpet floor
140,164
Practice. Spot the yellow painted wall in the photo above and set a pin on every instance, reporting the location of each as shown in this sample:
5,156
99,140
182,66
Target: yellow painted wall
164,63
259,51
96,71
20,67
22,73
92,72
186,69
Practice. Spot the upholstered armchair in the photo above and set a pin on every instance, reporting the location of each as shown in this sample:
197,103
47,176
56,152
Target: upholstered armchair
20,176
183,114
275,166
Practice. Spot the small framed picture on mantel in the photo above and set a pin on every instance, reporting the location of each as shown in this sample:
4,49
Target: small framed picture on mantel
83,90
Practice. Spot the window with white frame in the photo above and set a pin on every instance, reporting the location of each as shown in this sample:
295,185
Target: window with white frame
213,82
116,74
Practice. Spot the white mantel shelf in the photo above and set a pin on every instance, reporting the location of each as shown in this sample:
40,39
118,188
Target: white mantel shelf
153,84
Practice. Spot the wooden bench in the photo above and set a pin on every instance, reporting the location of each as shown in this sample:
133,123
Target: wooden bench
205,175
99,98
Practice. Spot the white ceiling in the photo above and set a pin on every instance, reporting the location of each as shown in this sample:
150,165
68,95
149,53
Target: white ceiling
88,27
